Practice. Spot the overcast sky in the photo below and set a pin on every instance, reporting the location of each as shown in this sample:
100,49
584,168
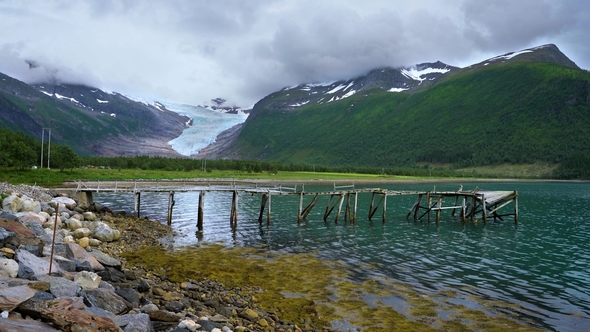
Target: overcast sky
191,51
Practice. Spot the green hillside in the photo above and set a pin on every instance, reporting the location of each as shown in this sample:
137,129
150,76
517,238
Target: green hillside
514,112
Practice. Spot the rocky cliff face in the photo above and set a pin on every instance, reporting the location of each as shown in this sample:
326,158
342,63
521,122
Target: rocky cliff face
89,120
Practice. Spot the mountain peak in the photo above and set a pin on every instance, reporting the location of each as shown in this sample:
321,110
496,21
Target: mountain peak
545,53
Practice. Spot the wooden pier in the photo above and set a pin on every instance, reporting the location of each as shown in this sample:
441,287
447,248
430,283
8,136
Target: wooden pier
473,205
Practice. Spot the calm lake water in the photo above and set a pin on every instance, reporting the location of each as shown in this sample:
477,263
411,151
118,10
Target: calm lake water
542,264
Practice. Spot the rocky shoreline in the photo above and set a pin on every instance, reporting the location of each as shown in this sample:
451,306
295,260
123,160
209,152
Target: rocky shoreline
91,288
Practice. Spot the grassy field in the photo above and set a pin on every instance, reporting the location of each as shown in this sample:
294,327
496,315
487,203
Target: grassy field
51,178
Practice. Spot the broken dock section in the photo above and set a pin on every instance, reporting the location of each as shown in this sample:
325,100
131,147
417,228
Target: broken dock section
473,205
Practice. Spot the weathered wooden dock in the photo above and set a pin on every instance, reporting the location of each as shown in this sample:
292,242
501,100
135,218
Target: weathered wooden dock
473,205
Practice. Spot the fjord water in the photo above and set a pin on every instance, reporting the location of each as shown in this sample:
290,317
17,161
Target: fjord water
542,264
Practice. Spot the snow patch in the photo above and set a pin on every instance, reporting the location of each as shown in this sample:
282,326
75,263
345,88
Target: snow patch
299,104
47,93
509,55
415,74
113,115
397,90
58,96
102,101
336,89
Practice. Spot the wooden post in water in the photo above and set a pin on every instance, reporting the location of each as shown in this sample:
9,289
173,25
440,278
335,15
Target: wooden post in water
170,206
515,207
371,206
328,210
453,211
233,215
463,207
417,207
429,201
310,206
268,210
201,211
384,206
341,200
137,203
439,206
473,207
483,210
299,211
262,206
347,209
355,205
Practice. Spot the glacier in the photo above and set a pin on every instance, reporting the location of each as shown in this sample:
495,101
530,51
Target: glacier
207,124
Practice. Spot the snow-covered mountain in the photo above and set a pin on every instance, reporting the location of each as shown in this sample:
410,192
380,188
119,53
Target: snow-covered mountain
388,79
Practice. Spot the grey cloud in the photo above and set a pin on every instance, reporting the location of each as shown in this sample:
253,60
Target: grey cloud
193,51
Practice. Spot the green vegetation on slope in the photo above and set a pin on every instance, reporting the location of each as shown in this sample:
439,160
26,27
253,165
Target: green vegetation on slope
512,113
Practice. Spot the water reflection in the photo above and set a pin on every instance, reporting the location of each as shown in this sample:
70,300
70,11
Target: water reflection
541,264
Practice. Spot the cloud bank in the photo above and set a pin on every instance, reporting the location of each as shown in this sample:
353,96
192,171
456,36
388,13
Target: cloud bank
192,51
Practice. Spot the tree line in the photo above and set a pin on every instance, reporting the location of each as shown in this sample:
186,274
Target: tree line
21,151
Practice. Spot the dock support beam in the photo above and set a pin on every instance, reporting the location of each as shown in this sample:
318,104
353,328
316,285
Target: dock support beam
515,207
170,206
268,211
262,206
137,203
233,215
201,211
310,206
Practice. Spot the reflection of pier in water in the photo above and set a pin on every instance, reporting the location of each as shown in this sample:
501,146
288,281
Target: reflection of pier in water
472,205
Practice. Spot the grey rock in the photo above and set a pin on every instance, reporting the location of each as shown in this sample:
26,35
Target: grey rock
105,259
43,296
104,313
112,274
109,300
38,265
7,215
137,323
25,272
61,287
174,306
11,297
143,286
13,324
149,308
106,285
77,253
8,267
64,263
130,295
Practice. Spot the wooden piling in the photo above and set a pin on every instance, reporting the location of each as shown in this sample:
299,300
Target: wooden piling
233,215
371,206
438,206
484,211
262,206
170,206
347,208
515,207
355,206
137,203
417,207
268,209
429,202
300,210
340,201
463,208
201,211
384,206
310,206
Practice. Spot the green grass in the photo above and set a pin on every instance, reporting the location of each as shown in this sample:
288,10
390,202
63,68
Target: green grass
49,178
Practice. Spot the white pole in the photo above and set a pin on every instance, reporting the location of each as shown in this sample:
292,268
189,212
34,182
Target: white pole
42,143
49,148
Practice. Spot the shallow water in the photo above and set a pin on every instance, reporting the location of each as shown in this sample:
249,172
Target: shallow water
541,264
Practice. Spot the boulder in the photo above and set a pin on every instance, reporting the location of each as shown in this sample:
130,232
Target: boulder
112,274
105,233
137,323
105,259
68,314
90,216
87,280
79,254
38,265
74,224
108,300
164,316
11,297
5,236
26,217
30,205
83,242
69,203
8,268
12,204
130,295
61,287
81,232
15,324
